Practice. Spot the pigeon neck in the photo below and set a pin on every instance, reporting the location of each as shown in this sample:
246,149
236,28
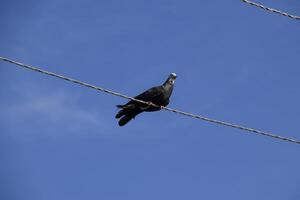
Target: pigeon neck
168,85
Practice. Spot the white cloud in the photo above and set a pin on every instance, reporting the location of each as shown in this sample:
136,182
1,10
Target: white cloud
57,111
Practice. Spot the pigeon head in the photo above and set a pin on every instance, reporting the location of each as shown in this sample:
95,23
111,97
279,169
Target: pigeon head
171,79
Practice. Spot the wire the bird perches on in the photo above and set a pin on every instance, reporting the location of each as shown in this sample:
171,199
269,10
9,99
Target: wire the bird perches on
271,9
250,130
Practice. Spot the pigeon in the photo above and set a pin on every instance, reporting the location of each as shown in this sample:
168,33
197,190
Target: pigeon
159,95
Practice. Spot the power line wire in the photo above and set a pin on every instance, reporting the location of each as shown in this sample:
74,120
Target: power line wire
250,130
271,9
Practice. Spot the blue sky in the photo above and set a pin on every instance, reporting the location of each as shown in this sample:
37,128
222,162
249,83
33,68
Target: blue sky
234,62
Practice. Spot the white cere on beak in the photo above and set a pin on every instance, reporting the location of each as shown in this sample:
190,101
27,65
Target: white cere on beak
172,78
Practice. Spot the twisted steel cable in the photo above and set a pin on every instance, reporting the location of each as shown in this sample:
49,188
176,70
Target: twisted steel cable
271,9
199,117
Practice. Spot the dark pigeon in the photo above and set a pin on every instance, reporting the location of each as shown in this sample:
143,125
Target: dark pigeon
159,95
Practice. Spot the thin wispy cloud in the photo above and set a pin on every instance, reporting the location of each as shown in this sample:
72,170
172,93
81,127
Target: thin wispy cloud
55,110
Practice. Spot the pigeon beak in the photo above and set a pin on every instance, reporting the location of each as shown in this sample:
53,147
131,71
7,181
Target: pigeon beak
173,76
171,79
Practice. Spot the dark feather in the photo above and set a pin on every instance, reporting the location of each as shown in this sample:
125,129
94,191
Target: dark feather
124,120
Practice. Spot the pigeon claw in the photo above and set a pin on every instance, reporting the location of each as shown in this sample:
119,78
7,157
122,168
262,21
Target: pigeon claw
154,105
150,104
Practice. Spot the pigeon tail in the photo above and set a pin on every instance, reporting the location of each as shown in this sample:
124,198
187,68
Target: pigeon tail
124,120
120,114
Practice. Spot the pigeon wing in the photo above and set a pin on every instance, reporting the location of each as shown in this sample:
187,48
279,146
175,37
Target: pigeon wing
150,94
146,96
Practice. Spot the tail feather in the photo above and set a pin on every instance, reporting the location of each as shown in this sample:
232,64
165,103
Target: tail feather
127,113
124,110
119,114
124,120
